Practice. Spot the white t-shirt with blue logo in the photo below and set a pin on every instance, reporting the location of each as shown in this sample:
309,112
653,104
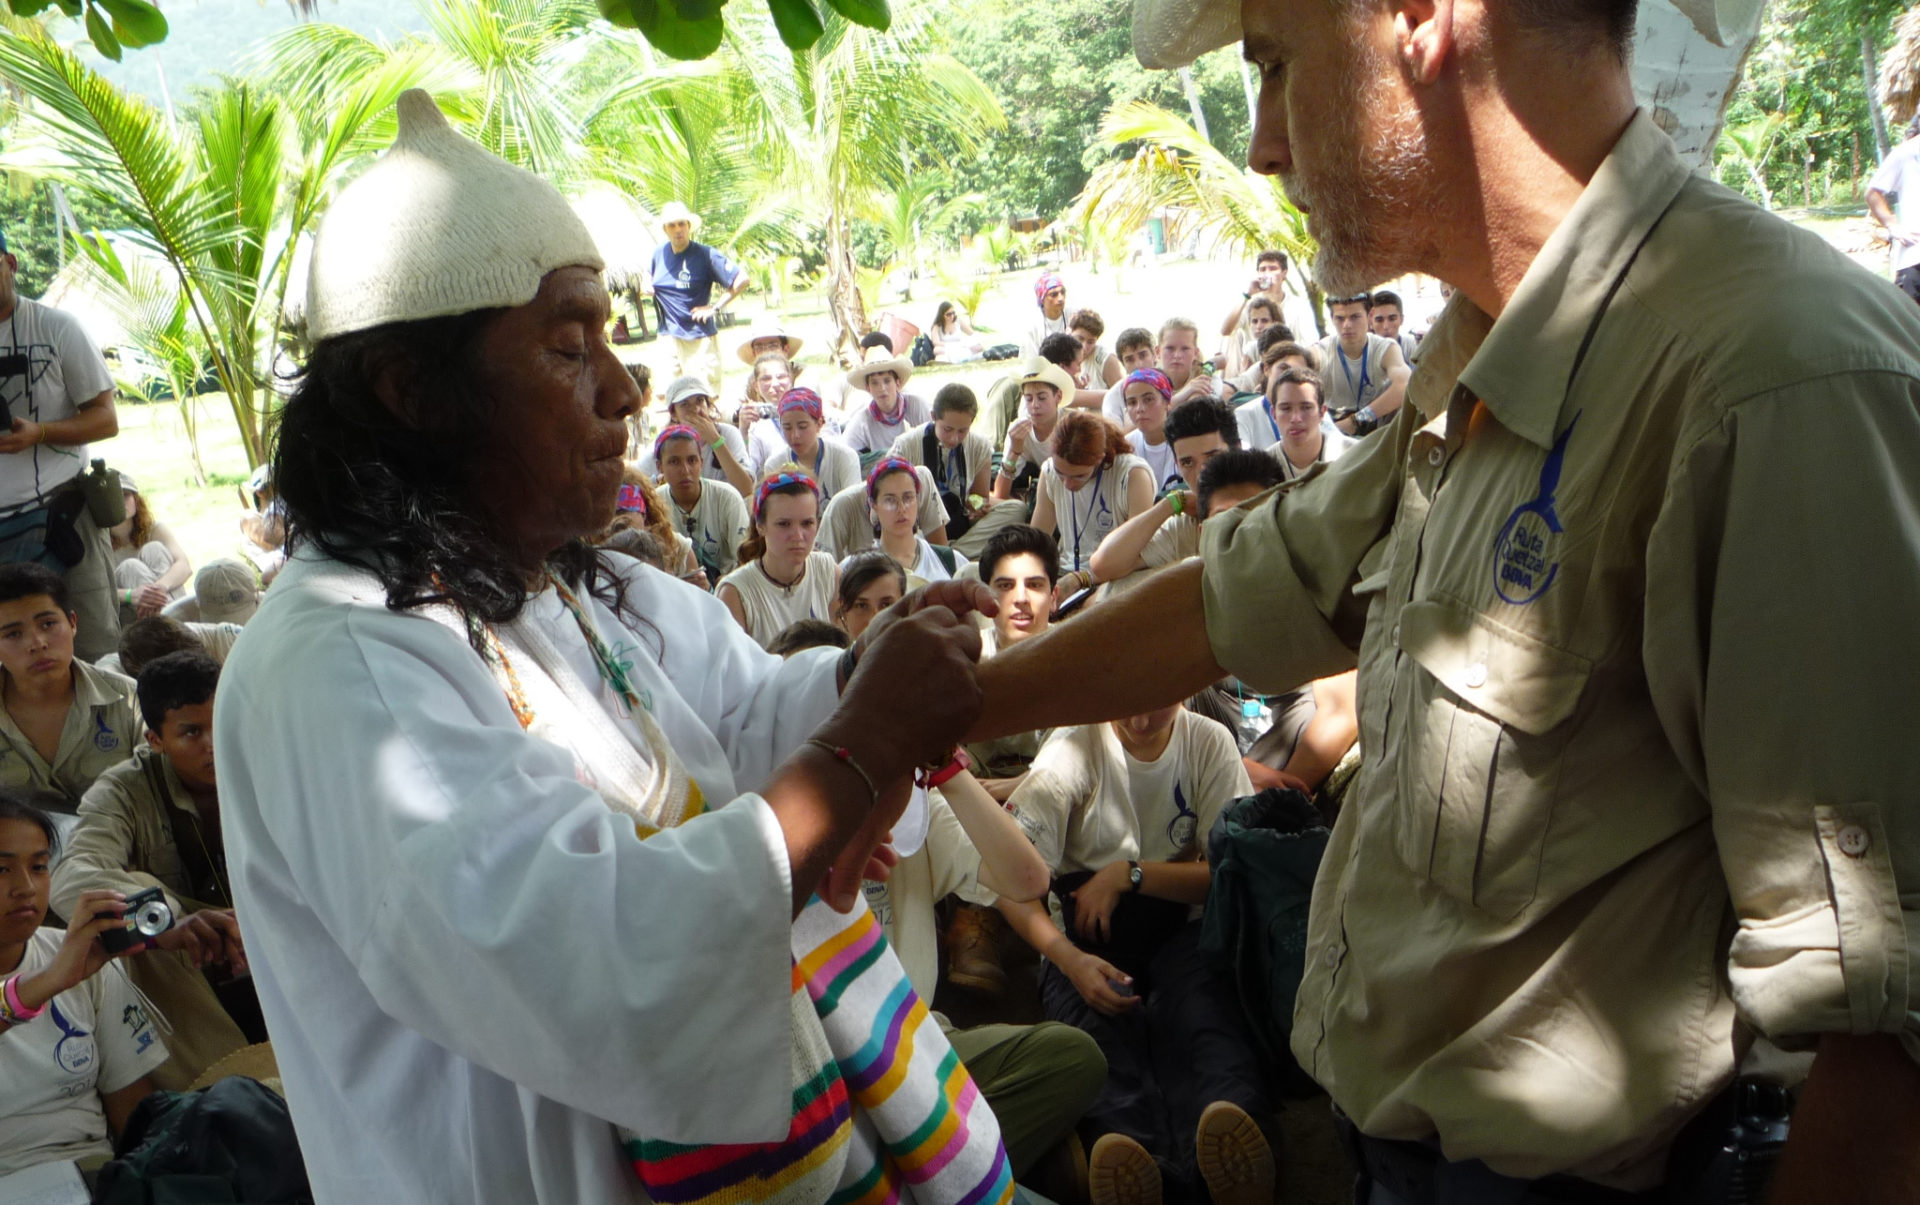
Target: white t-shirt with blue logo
93,1039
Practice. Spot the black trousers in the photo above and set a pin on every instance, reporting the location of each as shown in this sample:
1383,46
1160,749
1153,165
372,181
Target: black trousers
1909,281
1184,1048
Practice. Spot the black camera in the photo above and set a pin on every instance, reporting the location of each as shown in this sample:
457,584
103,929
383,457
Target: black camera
149,916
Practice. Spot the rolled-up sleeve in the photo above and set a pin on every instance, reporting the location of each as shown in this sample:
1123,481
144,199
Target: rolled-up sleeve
1280,570
1781,650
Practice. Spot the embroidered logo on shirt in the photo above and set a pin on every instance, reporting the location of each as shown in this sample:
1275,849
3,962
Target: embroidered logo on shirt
104,739
74,1051
1525,559
1181,829
139,1026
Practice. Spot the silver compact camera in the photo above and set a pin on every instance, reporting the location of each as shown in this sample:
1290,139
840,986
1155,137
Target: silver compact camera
150,917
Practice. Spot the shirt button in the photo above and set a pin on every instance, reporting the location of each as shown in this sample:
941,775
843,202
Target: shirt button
1476,675
1395,635
1436,456
1332,957
1854,841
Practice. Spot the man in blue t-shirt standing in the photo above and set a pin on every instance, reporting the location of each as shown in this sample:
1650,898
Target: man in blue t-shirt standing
684,273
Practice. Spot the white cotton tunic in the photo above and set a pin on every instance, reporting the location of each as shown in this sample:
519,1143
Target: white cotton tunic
772,609
470,966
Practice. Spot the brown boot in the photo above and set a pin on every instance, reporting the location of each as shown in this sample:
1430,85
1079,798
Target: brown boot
973,949
1121,1172
1233,1155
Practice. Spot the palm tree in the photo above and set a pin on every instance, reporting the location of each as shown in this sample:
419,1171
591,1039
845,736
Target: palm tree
835,126
1175,167
906,214
201,195
148,305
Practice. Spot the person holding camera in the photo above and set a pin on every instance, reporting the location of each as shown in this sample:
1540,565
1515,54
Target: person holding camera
77,1044
153,821
58,399
538,851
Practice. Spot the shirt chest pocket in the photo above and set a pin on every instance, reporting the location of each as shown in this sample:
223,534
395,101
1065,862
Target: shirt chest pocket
1479,762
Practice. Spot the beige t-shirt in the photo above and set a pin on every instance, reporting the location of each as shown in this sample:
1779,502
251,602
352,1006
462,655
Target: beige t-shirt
94,1038
1087,515
1086,802
772,609
846,526
715,526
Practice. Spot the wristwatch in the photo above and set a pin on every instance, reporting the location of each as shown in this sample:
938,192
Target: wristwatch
1134,876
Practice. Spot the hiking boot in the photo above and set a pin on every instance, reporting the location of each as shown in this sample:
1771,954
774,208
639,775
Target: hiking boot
973,949
1233,1156
1120,1172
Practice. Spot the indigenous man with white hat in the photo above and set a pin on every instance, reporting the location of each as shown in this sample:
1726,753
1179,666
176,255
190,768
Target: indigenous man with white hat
684,273
1635,791
526,837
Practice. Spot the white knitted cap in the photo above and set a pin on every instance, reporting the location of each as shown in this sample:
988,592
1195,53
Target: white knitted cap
437,226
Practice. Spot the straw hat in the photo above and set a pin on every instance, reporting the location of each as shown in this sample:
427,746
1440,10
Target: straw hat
879,359
791,343
437,226
1038,371
676,211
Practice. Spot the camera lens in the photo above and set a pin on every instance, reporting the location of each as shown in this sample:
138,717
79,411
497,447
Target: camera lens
153,919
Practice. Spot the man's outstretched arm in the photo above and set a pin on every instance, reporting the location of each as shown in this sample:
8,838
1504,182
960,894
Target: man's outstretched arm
1143,650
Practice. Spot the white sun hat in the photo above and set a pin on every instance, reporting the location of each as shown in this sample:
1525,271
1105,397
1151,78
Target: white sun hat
790,342
879,360
437,226
677,211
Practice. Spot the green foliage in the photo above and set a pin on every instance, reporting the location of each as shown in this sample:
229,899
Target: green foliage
110,24
694,29
27,218
1056,66
1803,106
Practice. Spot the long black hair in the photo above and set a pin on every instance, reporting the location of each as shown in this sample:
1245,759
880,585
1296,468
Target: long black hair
391,493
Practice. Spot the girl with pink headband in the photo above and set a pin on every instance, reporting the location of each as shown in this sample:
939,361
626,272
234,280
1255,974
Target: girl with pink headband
893,504
782,578
833,465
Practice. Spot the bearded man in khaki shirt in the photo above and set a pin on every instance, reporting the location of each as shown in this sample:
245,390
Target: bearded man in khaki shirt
1632,589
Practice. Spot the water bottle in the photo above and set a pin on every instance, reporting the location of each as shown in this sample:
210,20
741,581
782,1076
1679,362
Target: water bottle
106,503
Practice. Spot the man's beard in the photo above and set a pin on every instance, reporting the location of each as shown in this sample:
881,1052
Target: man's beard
1373,193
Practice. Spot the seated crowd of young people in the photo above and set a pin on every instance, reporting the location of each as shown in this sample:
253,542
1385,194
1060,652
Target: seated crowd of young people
1083,470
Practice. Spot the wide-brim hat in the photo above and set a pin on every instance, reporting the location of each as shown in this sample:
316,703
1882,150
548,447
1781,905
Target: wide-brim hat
879,360
1045,372
792,343
676,211
1173,33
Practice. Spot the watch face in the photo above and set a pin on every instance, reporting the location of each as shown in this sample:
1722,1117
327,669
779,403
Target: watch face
1136,876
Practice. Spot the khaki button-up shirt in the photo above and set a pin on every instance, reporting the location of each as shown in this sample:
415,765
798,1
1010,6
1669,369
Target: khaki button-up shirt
131,823
102,729
1637,654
